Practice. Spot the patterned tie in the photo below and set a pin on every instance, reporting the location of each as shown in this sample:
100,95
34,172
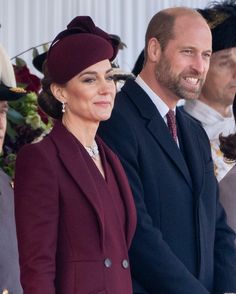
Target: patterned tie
171,123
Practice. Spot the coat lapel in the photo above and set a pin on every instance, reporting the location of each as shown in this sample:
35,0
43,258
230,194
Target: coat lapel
157,127
74,159
189,137
125,191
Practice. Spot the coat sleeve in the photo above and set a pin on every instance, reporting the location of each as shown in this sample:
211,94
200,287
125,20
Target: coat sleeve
224,246
225,255
36,210
153,264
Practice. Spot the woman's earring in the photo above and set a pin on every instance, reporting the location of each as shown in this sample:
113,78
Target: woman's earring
63,107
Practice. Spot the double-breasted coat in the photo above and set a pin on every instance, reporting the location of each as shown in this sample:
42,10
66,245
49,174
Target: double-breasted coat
74,227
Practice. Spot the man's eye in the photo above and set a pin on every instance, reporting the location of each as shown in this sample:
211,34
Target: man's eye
3,113
188,52
225,63
207,55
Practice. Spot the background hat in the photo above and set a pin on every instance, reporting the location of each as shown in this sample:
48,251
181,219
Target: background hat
221,18
11,93
138,66
8,89
38,61
7,75
81,45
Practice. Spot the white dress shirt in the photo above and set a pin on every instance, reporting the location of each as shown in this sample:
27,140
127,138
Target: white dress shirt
158,102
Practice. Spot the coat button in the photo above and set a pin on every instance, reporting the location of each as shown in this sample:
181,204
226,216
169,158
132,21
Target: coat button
5,291
107,262
125,263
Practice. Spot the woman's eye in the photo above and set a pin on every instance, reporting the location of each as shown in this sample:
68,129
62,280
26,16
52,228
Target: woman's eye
89,80
110,78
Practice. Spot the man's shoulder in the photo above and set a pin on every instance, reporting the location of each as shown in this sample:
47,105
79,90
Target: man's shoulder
195,127
127,89
35,150
188,117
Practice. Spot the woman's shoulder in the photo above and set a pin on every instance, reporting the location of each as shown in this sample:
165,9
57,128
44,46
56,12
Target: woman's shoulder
43,146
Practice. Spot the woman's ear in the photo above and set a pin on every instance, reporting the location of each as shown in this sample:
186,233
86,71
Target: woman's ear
154,50
58,92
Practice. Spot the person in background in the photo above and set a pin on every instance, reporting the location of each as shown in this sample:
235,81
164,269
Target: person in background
75,214
228,184
213,109
9,264
138,66
182,243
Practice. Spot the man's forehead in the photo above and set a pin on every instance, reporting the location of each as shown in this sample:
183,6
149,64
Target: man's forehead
226,53
193,19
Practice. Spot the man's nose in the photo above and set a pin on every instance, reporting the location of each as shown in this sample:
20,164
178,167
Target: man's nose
200,64
234,71
2,122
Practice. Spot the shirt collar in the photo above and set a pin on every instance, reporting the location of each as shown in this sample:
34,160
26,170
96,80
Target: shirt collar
158,102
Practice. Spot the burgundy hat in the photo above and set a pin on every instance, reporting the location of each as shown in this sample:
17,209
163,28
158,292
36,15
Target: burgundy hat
81,45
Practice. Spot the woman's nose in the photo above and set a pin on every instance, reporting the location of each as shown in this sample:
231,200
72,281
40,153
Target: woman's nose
106,86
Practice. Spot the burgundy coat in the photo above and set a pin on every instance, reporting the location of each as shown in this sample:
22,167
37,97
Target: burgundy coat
60,220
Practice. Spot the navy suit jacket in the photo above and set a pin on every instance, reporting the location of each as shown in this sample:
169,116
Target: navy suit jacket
182,243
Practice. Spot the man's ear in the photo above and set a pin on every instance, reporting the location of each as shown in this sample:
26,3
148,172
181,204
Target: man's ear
58,92
154,50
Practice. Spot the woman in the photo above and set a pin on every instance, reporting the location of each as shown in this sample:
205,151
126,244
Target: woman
228,184
75,214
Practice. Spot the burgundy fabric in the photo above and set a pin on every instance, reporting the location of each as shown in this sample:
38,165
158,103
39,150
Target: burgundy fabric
81,45
74,53
86,24
171,122
62,216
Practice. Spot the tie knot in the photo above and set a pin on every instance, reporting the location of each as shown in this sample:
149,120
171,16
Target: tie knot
171,115
171,123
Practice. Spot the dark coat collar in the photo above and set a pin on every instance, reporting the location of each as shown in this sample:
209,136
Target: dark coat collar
159,130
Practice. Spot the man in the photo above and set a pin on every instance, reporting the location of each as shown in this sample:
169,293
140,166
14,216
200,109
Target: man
182,244
9,266
214,106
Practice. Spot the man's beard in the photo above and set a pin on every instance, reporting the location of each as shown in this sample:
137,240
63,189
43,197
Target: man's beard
166,77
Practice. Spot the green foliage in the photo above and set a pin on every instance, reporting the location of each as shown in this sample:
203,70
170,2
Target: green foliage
25,125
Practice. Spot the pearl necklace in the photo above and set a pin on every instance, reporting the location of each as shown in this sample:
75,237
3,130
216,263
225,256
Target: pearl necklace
93,150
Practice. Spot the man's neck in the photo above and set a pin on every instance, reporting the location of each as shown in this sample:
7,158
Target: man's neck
224,110
167,96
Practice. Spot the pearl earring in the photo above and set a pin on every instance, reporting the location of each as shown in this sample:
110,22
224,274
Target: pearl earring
63,107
